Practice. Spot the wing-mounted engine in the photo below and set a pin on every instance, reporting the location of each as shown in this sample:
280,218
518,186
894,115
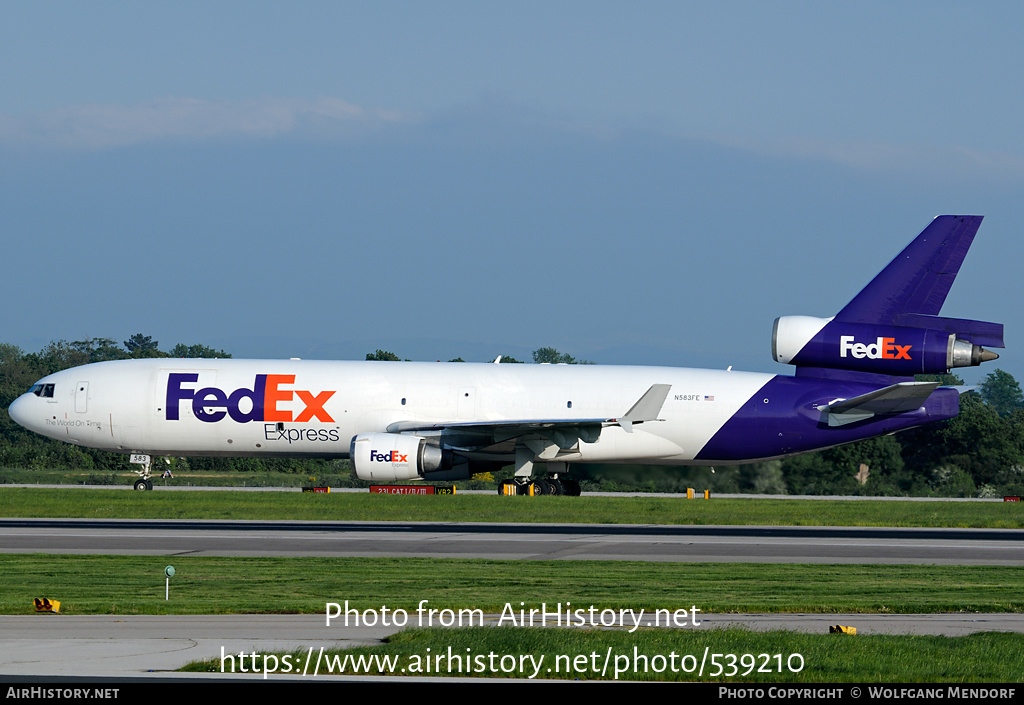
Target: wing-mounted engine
886,349
387,457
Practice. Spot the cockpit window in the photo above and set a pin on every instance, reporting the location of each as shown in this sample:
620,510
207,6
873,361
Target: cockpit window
42,390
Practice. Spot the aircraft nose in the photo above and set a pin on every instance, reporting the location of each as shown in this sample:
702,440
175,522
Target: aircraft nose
19,411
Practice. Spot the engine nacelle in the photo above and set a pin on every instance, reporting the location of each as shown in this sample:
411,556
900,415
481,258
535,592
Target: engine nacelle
386,457
895,350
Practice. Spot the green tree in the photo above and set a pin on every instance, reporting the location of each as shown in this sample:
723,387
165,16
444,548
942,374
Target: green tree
985,445
768,478
197,351
385,355
140,346
99,349
16,375
951,481
553,357
834,471
1002,393
57,355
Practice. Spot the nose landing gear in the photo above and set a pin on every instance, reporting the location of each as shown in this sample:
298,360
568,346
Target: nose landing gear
144,482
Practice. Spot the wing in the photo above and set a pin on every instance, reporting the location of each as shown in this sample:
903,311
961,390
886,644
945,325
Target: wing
564,433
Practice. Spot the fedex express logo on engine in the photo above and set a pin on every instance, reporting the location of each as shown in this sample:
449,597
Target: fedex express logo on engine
881,349
260,403
392,456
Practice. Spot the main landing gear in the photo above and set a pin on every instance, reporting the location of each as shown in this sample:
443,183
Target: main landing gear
528,453
550,486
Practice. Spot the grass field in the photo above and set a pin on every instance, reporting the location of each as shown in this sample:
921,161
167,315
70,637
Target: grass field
32,502
210,585
341,477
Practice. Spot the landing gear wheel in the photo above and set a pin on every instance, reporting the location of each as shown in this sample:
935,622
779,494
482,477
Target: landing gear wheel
508,487
142,485
571,487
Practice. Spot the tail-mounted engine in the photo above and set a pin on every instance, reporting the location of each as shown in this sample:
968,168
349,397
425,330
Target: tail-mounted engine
894,350
386,457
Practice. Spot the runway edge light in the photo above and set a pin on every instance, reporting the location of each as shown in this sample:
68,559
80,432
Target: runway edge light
840,629
44,605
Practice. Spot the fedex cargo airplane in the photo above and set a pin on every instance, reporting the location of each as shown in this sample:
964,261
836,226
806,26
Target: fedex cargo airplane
440,421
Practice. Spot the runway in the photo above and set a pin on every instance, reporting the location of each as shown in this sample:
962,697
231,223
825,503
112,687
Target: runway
741,544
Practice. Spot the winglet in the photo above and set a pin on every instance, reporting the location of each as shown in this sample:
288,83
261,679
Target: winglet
646,408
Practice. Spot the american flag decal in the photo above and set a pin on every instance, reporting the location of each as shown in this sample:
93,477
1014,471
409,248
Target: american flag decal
709,398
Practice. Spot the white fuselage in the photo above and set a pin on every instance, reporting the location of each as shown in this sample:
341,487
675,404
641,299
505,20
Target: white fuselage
315,408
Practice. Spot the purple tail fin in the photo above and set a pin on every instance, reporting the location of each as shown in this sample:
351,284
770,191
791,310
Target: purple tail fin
892,326
918,279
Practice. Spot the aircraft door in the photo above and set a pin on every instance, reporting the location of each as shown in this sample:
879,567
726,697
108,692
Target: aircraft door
82,397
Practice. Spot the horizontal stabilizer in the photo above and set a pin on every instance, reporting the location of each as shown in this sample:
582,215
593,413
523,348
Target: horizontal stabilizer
977,332
894,399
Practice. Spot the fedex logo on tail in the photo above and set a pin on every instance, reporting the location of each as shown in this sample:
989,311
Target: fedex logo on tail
881,349
261,403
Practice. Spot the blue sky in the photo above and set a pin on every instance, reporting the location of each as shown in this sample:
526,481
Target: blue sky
645,183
